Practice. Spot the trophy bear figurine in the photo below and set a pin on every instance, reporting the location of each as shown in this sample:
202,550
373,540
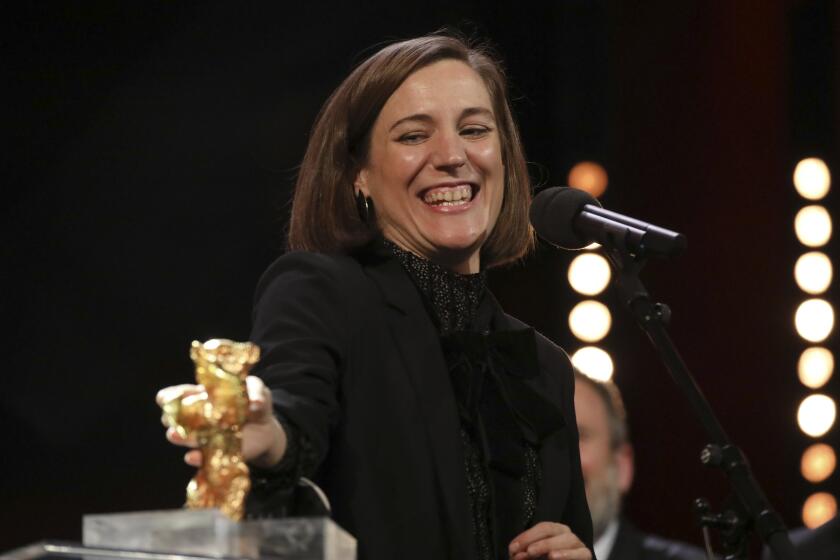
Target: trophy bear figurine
214,417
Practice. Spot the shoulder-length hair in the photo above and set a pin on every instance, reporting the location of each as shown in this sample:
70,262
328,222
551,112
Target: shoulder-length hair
324,217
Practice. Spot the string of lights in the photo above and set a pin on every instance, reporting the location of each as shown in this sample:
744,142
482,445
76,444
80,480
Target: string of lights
814,322
589,275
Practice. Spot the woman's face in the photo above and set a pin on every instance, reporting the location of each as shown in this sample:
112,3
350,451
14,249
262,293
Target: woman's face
434,168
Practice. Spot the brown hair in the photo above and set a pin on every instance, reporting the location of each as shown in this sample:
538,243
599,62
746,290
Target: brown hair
324,216
609,394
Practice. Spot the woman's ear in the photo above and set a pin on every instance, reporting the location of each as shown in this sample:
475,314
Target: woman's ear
361,192
360,183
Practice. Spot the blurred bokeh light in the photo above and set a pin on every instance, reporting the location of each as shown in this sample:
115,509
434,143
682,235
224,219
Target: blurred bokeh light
813,272
815,367
818,509
589,176
590,320
812,178
814,319
593,362
818,462
589,274
816,415
813,226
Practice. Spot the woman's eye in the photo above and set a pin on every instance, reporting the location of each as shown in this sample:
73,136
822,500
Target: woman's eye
412,137
474,131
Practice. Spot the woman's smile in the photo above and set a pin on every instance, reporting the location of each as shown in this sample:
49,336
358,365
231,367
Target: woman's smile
449,197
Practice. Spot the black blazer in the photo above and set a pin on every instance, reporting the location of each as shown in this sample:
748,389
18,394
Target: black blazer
354,362
631,544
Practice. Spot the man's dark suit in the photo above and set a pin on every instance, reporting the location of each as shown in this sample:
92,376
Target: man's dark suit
355,363
631,544
822,543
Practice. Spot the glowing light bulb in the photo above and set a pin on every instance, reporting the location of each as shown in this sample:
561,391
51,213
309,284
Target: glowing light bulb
590,320
816,415
593,362
814,320
813,272
813,226
815,367
818,509
589,274
589,176
818,462
812,178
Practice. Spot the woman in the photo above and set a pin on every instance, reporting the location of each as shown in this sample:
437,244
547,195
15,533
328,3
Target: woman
438,426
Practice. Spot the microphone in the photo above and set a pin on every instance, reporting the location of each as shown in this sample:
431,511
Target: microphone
572,219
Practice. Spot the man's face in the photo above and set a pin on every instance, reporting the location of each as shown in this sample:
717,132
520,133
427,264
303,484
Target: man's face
607,472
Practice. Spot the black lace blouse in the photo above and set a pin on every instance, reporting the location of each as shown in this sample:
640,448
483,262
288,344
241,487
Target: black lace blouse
453,301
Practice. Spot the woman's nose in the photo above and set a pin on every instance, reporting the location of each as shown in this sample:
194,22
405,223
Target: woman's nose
448,152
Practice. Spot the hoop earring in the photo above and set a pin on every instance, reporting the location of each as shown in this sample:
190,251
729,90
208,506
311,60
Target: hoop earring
364,205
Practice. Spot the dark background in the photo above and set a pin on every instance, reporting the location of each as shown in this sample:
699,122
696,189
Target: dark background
150,151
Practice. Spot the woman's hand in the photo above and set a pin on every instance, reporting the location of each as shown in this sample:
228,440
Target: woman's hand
548,540
263,439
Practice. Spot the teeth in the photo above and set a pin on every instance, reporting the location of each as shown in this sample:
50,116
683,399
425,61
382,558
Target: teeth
444,203
449,197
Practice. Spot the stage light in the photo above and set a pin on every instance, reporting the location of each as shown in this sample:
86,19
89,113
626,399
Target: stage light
818,462
813,272
593,362
590,177
590,320
589,274
814,320
812,178
813,226
818,509
816,415
815,367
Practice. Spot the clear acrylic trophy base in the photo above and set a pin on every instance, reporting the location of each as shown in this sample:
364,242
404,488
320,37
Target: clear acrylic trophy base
209,533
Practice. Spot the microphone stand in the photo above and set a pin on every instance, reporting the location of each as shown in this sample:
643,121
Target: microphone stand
749,508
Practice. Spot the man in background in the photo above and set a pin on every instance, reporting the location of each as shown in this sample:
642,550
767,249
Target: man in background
821,543
606,457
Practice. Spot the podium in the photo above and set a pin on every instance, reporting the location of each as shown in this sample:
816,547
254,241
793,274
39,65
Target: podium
197,535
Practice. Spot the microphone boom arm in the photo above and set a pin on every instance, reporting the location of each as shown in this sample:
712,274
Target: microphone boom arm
752,509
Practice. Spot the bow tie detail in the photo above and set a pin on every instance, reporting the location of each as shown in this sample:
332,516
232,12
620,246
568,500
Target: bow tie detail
489,373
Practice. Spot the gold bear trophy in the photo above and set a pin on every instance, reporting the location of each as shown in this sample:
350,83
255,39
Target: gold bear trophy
215,417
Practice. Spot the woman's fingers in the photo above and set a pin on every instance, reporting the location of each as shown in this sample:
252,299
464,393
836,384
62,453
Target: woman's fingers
193,458
547,529
175,391
256,388
581,553
537,532
263,438
260,399
174,437
562,546
578,553
548,540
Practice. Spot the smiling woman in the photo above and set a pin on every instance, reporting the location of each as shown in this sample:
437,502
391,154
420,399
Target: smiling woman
434,168
395,100
437,425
